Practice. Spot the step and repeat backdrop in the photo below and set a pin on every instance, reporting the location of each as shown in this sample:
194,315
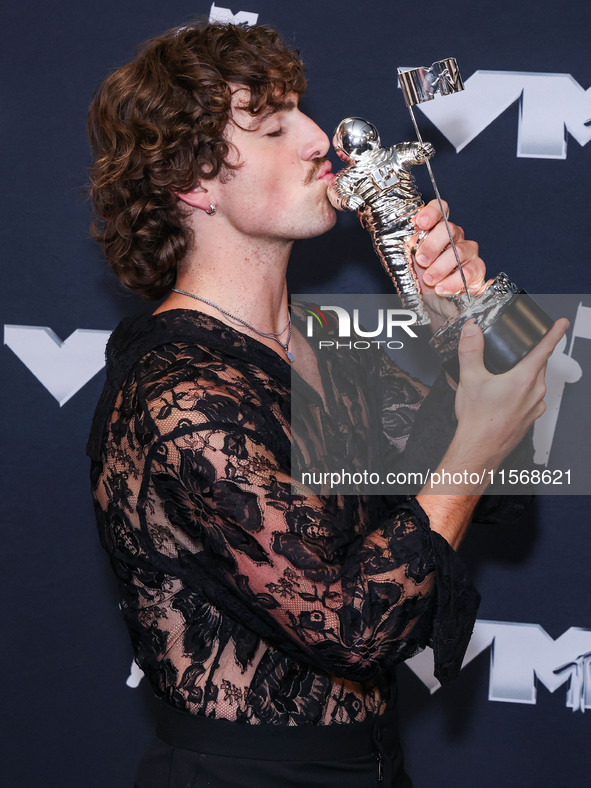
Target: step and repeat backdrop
513,159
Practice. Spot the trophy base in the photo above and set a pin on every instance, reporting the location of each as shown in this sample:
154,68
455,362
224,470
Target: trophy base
512,324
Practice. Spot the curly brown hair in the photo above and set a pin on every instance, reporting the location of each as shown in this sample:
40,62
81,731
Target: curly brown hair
156,127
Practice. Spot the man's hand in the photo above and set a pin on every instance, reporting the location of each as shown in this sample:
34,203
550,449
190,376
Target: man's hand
494,412
436,263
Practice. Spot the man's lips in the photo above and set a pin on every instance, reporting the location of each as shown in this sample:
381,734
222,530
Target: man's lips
321,170
325,172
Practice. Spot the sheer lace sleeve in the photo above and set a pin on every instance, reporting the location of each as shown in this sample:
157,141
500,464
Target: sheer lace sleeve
347,584
243,599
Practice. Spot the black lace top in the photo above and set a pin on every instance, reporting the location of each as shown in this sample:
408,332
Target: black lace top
244,600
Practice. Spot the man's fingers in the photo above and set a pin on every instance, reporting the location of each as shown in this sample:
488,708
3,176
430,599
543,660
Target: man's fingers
445,275
474,273
540,354
436,242
428,216
470,350
532,368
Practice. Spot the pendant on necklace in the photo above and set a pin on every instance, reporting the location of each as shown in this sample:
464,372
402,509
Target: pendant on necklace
289,355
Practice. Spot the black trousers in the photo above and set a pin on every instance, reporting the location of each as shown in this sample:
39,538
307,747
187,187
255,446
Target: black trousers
194,752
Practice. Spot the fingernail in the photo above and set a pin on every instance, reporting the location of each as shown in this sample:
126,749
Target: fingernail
428,279
422,222
470,329
422,260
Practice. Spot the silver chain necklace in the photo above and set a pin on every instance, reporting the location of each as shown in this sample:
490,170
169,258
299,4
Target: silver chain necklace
274,335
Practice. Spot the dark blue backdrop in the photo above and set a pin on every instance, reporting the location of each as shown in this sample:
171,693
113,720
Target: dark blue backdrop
70,720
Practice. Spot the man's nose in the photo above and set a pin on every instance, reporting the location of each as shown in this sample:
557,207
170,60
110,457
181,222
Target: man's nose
316,142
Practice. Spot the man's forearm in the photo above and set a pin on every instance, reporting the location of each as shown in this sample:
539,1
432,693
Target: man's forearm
450,511
449,515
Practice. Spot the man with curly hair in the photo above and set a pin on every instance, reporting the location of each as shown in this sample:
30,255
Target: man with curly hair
268,621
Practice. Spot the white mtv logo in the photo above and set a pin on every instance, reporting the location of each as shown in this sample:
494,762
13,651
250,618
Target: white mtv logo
520,655
550,105
562,369
136,674
219,14
62,367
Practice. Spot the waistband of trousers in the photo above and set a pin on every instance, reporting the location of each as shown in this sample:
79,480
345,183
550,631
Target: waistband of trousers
277,742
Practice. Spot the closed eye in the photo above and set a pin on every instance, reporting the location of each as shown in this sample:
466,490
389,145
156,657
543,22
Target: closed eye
276,133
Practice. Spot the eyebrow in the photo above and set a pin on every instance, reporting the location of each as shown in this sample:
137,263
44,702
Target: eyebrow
283,106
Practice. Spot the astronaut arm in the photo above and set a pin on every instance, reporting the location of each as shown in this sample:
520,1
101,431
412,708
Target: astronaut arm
412,153
342,197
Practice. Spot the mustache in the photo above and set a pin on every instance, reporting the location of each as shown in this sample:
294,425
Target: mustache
316,165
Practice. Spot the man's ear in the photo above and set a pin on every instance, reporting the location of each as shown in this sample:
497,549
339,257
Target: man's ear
196,198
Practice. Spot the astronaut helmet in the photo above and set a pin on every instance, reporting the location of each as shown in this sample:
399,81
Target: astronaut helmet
353,137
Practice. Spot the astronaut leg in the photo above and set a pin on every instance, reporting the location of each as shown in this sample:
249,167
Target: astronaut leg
396,257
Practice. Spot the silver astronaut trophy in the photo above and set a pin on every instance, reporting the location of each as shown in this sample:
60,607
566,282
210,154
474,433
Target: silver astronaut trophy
378,184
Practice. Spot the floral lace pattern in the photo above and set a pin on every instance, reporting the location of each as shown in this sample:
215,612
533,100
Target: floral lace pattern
244,600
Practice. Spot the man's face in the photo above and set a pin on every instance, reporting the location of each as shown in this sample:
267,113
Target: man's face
279,192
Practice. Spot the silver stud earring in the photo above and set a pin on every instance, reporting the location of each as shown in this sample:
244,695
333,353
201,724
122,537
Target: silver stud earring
211,210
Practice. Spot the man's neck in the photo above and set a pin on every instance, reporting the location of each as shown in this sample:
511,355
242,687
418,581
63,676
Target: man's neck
246,280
